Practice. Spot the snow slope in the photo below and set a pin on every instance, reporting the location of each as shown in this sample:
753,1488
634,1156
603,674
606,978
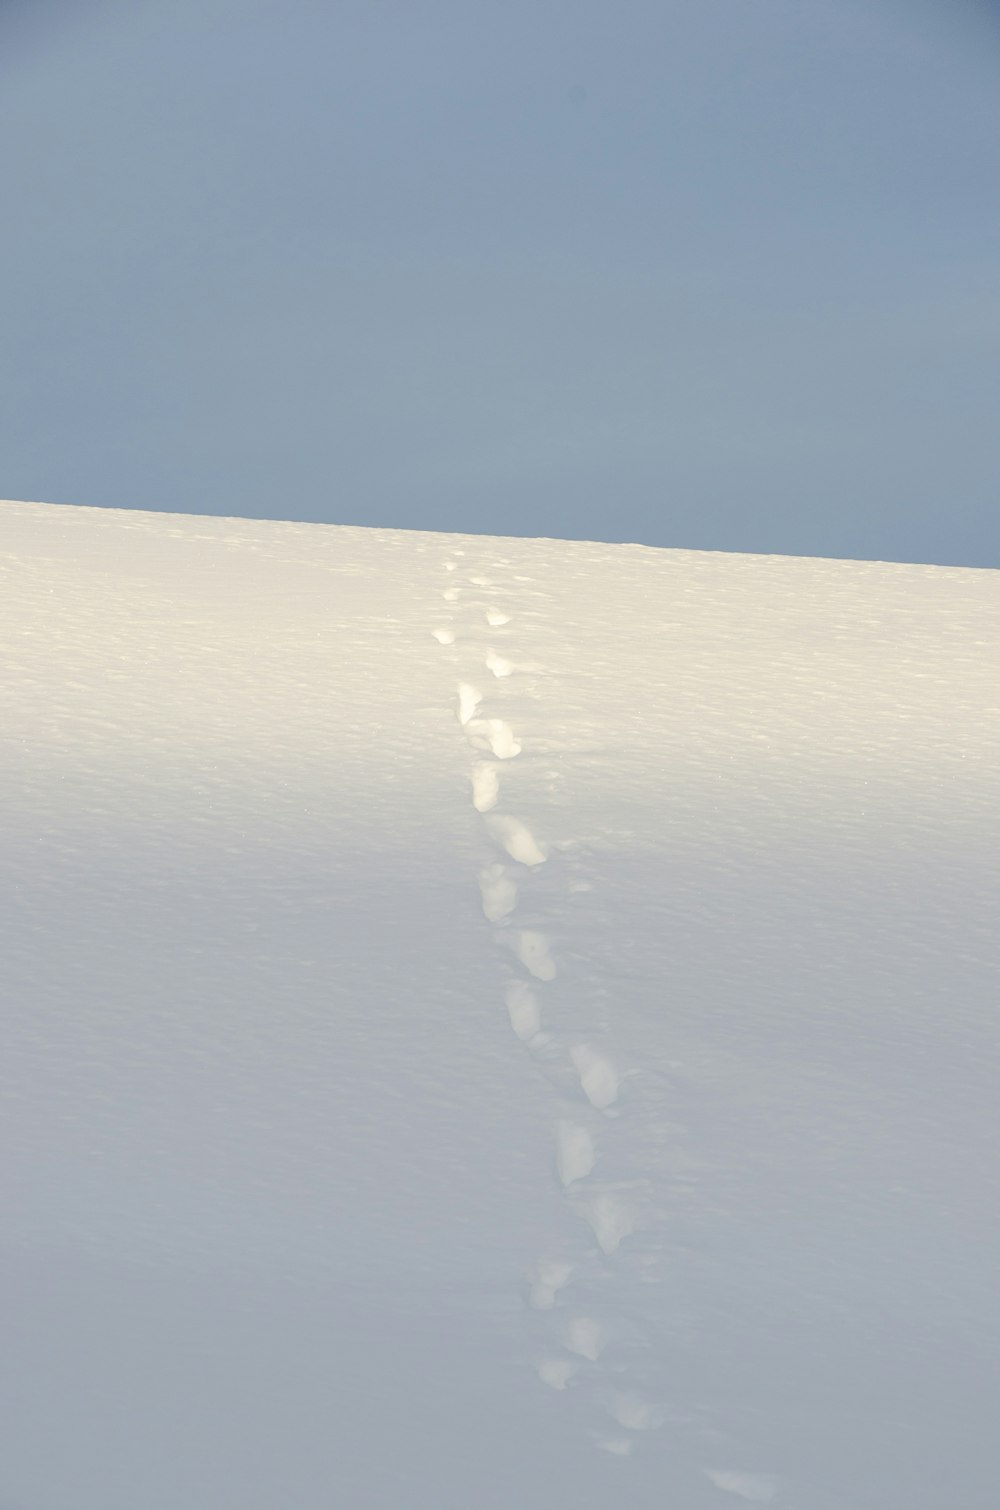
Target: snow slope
494,1024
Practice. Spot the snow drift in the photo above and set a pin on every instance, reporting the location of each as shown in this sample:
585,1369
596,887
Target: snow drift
494,1024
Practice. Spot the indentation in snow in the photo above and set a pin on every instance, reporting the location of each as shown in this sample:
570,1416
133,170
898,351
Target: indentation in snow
610,1219
481,581
450,566
575,1154
634,1413
495,619
525,1014
499,892
451,595
485,786
556,1372
532,949
517,839
500,739
758,1488
585,1337
444,636
469,698
551,1275
498,665
620,1446
598,1077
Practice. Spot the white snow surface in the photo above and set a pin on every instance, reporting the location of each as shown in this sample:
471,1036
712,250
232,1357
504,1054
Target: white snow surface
494,1024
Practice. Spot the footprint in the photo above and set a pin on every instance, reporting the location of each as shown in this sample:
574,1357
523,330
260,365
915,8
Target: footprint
525,1013
480,581
758,1488
532,949
499,893
575,1153
610,1220
499,738
485,786
598,1078
450,566
495,619
451,595
586,1338
444,636
469,698
551,1276
556,1372
634,1413
498,665
517,839
620,1446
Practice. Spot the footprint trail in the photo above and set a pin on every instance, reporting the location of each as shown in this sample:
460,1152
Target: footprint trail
584,1357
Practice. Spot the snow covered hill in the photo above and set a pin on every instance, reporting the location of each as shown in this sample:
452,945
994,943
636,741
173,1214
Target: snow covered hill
494,1024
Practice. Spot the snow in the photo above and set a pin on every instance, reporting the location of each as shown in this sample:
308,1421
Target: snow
494,1023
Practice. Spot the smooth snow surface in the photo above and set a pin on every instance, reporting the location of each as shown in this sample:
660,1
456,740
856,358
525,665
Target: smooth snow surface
494,1024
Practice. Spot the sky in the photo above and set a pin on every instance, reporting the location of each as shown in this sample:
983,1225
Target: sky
716,274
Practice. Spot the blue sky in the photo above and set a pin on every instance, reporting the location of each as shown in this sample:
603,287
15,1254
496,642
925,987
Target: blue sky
721,274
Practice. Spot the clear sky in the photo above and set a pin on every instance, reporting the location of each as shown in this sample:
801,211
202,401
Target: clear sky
722,274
